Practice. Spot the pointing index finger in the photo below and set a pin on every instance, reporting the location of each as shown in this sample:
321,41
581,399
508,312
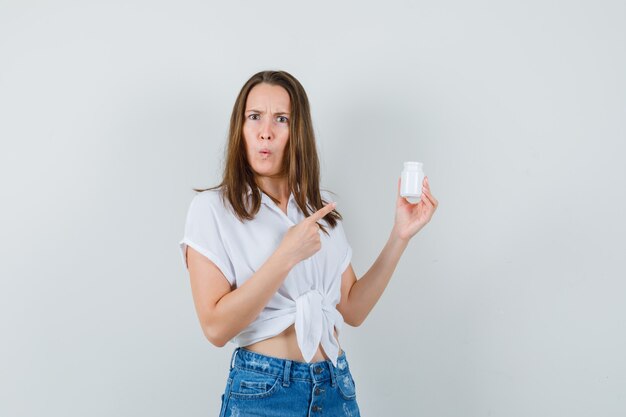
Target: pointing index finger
319,214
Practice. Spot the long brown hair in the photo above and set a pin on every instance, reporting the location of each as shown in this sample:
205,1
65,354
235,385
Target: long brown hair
300,160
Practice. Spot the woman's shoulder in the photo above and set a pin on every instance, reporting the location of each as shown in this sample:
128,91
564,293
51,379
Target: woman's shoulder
209,193
211,198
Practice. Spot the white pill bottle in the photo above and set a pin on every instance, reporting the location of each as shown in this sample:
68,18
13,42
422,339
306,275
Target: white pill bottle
411,179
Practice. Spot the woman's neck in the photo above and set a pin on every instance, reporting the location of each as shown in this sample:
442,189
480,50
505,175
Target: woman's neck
276,187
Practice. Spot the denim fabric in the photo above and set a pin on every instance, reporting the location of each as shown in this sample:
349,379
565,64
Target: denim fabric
265,386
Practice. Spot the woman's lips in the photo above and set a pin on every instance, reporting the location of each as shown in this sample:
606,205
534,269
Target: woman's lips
265,152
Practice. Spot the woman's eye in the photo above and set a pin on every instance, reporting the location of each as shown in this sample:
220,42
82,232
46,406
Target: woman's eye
253,116
282,119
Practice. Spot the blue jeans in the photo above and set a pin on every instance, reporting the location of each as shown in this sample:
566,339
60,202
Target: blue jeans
260,385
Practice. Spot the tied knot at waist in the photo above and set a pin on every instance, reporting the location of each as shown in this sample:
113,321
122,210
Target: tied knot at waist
315,324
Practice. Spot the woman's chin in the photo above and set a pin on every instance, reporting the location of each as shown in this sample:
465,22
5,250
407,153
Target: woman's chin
266,172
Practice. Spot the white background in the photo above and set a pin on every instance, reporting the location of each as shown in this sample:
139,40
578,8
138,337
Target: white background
509,303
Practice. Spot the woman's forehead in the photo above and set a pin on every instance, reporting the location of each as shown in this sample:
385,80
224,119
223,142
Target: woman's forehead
264,95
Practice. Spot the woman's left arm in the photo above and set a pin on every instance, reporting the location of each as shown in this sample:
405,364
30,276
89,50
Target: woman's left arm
358,297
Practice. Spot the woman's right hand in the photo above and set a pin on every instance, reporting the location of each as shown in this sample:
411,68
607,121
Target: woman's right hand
303,240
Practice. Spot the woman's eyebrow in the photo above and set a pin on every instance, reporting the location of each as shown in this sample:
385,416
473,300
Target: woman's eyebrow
262,112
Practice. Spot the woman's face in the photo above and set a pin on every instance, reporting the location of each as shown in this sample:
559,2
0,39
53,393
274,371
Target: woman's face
266,128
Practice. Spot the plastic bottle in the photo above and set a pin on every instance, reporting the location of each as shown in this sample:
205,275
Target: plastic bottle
411,180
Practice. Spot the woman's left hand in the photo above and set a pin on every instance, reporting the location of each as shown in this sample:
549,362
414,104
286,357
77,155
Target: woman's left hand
410,217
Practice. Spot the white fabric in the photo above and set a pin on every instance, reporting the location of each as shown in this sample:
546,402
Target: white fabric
311,291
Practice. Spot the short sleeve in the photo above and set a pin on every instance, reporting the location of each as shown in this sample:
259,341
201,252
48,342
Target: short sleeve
342,241
203,233
346,249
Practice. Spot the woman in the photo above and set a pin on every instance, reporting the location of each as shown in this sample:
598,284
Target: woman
269,261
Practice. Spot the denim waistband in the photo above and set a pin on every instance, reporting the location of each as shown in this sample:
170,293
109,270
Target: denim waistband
288,369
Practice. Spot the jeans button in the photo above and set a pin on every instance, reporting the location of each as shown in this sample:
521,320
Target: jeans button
318,370
316,408
318,391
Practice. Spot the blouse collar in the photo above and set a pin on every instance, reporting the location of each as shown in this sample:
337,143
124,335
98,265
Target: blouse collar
266,199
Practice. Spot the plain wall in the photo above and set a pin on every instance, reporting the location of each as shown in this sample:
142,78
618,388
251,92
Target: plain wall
510,302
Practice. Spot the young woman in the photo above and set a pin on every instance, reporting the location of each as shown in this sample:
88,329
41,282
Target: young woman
269,261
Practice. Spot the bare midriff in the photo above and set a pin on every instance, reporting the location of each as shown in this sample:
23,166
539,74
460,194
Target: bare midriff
285,346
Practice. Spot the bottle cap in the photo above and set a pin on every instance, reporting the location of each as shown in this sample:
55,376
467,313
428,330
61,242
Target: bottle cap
413,165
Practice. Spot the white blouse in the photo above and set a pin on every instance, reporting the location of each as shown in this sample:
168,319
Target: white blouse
309,293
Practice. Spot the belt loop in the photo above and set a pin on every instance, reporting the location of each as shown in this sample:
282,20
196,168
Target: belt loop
232,358
286,372
333,376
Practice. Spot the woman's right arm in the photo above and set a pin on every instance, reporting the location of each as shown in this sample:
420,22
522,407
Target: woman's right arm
223,313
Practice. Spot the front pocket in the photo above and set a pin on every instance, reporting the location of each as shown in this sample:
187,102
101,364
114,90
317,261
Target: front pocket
253,385
346,386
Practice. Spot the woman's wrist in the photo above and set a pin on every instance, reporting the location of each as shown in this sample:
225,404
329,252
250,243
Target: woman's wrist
284,258
397,236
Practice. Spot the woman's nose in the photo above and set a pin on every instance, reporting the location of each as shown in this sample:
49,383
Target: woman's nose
266,131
